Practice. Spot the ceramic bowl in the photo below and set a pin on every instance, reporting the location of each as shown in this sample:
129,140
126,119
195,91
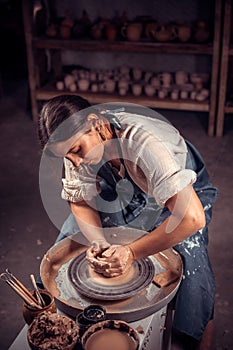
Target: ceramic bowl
110,334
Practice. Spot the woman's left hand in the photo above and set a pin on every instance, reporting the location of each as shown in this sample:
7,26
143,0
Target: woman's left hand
119,259
93,255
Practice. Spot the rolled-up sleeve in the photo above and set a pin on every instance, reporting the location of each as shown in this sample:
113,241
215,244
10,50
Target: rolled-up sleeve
79,183
161,157
165,168
173,185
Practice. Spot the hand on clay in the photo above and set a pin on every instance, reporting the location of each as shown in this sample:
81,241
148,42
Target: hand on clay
93,255
119,259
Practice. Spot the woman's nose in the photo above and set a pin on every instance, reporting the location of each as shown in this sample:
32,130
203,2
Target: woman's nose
75,159
78,161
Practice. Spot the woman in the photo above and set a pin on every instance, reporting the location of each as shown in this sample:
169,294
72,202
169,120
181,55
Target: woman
125,168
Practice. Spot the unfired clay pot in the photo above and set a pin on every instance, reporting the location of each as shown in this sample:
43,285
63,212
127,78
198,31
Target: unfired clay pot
181,77
83,84
136,89
137,73
166,79
109,85
149,90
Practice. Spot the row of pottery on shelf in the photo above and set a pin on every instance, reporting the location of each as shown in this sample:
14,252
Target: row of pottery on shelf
133,31
183,31
129,30
83,78
122,87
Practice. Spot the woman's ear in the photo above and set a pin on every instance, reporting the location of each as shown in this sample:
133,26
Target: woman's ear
93,120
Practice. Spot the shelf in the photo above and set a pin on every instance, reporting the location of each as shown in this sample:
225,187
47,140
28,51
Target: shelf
121,46
48,92
36,46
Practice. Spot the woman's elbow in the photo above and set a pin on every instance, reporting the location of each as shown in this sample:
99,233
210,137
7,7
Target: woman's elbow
195,213
196,218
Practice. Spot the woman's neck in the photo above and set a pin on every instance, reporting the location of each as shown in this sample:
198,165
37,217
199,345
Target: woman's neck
111,150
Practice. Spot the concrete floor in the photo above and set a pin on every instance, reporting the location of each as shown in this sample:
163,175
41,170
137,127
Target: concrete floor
27,233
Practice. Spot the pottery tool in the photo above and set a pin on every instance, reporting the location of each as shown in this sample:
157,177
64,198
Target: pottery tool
20,289
38,295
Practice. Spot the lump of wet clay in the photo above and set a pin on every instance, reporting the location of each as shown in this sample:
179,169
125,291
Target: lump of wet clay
52,331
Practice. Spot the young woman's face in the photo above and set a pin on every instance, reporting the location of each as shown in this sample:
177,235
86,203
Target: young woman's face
88,149
84,147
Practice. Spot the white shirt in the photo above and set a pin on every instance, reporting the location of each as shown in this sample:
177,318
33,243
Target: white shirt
154,154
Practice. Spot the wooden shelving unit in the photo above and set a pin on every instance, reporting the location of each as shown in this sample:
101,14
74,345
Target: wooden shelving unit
224,107
143,46
38,92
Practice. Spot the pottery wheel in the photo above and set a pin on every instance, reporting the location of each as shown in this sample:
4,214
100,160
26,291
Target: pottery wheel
67,256
93,285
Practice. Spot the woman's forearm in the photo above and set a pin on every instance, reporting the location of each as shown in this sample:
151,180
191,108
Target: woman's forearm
187,217
88,220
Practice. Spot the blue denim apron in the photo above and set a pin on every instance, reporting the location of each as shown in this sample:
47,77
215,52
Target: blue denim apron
195,297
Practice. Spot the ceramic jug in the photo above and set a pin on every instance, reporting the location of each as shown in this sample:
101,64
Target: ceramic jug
132,31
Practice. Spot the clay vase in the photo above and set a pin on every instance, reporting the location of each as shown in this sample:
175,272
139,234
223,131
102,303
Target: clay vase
111,32
183,31
97,31
132,31
65,32
201,32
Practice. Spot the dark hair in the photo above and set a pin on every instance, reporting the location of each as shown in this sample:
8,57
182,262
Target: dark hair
55,112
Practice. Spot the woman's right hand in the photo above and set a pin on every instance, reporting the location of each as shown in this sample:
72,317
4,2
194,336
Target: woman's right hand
93,255
109,260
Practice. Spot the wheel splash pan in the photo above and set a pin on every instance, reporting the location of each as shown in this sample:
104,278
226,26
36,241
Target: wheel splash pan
57,263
